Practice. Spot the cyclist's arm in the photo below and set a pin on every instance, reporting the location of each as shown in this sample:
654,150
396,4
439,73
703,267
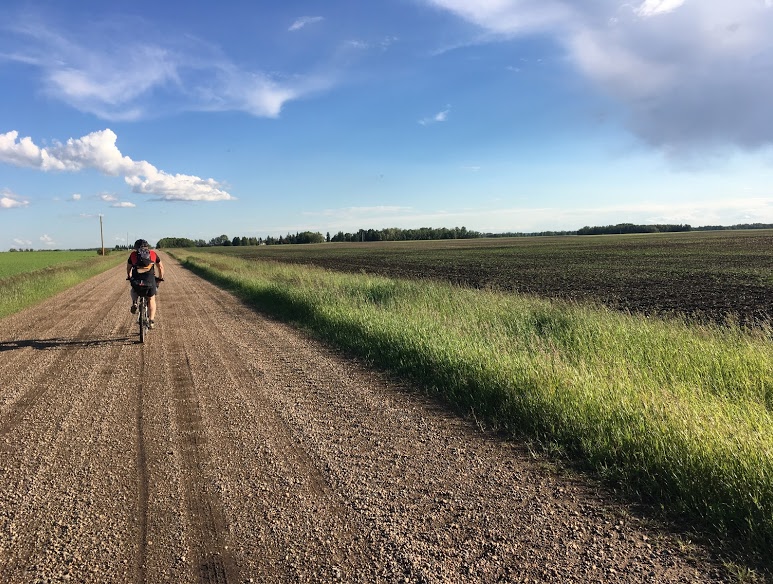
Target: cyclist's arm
160,268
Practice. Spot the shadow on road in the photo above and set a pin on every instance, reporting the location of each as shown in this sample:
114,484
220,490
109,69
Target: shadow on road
64,343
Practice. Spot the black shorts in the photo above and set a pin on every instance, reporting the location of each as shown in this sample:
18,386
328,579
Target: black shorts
144,284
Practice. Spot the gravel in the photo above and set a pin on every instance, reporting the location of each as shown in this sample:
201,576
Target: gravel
233,448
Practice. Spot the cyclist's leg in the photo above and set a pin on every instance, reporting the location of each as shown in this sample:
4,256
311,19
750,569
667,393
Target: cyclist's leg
134,298
152,299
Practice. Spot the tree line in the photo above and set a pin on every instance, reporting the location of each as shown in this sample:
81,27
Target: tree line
431,233
389,234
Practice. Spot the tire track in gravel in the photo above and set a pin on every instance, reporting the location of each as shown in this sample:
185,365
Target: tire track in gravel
142,478
291,488
211,556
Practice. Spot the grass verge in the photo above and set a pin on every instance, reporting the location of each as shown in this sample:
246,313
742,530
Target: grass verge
22,290
671,413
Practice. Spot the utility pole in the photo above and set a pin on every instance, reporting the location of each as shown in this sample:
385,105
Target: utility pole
101,234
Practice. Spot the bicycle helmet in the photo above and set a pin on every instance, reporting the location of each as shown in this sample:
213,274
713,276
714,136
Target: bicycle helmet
141,243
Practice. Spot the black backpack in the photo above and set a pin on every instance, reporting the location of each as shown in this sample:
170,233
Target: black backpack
143,257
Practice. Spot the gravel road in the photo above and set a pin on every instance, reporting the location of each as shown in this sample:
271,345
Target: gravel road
232,448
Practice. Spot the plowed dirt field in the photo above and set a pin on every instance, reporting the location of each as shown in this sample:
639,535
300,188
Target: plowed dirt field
232,448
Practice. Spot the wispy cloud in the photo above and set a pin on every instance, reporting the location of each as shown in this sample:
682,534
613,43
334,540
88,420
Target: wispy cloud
441,116
120,78
304,21
9,200
689,74
98,151
653,7
47,240
123,205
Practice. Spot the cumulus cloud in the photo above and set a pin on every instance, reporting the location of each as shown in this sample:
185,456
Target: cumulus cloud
75,197
99,152
304,21
690,75
120,78
22,242
47,240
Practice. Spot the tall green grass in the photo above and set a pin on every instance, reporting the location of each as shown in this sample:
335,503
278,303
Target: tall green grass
673,413
34,282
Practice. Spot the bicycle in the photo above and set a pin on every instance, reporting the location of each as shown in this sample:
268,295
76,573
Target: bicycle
143,319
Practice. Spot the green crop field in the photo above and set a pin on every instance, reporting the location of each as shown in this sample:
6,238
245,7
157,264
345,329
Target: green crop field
708,275
672,411
29,277
12,263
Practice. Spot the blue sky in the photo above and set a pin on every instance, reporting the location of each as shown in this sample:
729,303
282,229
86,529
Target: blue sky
189,119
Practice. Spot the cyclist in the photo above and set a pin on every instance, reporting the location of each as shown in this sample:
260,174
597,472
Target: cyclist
144,269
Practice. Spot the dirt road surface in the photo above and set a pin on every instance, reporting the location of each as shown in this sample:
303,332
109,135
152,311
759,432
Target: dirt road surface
231,448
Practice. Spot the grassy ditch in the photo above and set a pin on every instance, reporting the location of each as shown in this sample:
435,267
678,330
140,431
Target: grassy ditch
670,412
25,288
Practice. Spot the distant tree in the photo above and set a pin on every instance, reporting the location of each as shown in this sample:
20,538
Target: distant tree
168,242
220,240
308,237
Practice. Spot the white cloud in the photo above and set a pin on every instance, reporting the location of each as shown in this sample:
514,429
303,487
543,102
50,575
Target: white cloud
304,21
46,240
9,200
98,151
120,78
75,197
254,93
22,242
509,16
108,198
123,205
653,7
690,74
438,117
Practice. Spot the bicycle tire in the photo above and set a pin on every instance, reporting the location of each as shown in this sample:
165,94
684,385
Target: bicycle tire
143,319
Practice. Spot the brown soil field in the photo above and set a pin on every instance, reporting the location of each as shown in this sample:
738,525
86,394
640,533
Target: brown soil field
708,276
232,448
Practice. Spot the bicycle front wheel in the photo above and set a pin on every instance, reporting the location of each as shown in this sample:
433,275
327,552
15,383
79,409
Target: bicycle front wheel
143,319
